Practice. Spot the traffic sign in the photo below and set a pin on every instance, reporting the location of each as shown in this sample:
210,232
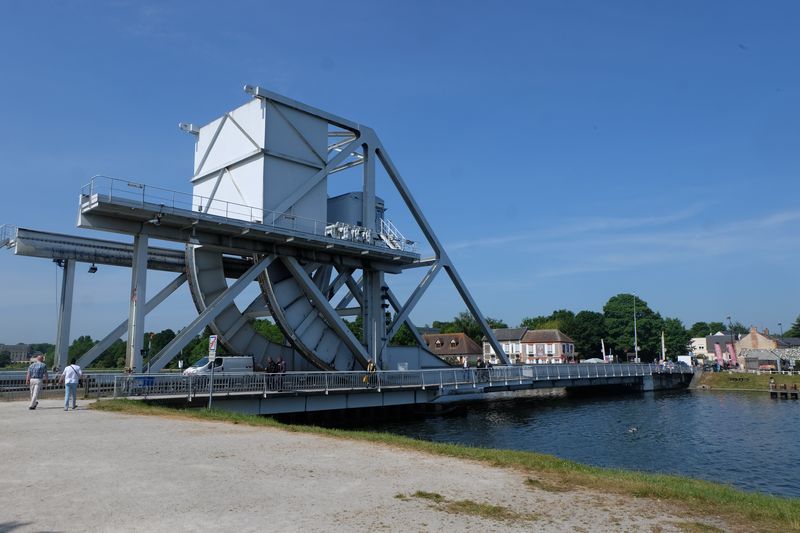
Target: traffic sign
212,347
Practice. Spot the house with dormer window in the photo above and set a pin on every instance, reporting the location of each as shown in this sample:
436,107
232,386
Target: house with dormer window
531,346
453,346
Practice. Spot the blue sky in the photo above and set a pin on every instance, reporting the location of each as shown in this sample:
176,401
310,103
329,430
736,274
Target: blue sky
563,152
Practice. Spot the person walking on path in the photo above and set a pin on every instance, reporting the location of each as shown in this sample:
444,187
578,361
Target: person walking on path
36,375
70,377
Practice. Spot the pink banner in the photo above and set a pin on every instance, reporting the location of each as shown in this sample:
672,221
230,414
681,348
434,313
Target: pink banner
718,352
732,352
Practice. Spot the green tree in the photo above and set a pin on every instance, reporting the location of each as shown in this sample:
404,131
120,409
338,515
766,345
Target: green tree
560,319
113,356
357,327
704,329
618,318
403,337
5,358
46,348
793,331
269,330
676,338
80,346
588,327
157,341
714,327
534,322
700,329
464,322
563,320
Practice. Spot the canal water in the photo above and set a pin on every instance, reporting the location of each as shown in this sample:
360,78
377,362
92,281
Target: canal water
745,439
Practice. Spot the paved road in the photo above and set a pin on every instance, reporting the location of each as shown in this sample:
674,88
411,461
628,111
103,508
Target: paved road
87,470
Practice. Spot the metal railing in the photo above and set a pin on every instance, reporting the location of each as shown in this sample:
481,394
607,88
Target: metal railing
169,201
156,385
758,372
8,232
92,385
393,238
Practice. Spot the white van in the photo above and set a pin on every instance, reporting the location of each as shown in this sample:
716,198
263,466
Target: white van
231,364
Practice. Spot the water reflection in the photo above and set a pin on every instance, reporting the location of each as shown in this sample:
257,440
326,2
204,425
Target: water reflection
743,439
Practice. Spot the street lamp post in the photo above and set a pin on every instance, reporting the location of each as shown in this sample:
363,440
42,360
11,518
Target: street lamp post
780,325
730,351
635,336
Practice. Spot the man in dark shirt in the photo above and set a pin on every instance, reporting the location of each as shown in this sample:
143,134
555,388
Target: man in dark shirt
37,374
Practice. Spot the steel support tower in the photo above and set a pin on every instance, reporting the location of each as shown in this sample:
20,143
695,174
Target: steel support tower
260,212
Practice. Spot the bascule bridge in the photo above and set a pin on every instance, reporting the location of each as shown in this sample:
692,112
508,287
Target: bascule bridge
260,211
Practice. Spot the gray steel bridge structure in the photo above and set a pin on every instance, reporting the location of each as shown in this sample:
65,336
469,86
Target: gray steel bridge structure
260,212
308,392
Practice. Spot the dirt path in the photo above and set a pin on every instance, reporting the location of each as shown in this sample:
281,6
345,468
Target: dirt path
94,471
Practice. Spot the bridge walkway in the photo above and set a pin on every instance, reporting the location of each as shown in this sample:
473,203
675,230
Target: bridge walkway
303,391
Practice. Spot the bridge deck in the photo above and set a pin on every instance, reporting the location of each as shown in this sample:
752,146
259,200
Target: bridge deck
304,391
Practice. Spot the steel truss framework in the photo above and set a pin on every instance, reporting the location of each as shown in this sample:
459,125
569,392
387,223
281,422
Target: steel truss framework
294,267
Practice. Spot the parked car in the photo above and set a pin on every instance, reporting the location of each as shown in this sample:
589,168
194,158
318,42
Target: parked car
237,364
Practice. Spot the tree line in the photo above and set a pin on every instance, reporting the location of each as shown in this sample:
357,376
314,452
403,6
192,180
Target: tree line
614,325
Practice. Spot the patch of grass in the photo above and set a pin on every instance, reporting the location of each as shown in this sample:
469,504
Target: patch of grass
543,485
745,382
483,510
698,527
747,510
432,496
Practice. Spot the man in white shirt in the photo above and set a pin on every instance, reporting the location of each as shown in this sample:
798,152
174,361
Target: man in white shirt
70,377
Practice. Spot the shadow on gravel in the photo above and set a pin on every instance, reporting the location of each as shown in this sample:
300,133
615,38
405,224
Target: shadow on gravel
5,527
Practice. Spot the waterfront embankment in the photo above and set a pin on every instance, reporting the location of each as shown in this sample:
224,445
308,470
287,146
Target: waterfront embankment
743,381
106,470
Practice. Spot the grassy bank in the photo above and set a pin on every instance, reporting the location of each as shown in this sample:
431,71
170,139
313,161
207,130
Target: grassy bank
691,496
741,381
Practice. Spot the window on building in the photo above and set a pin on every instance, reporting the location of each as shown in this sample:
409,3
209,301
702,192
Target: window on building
549,349
453,343
438,343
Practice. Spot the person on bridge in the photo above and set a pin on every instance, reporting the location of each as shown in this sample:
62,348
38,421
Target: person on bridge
37,373
70,378
271,370
369,378
281,371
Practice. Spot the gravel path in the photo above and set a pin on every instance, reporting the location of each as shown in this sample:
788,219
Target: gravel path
87,470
